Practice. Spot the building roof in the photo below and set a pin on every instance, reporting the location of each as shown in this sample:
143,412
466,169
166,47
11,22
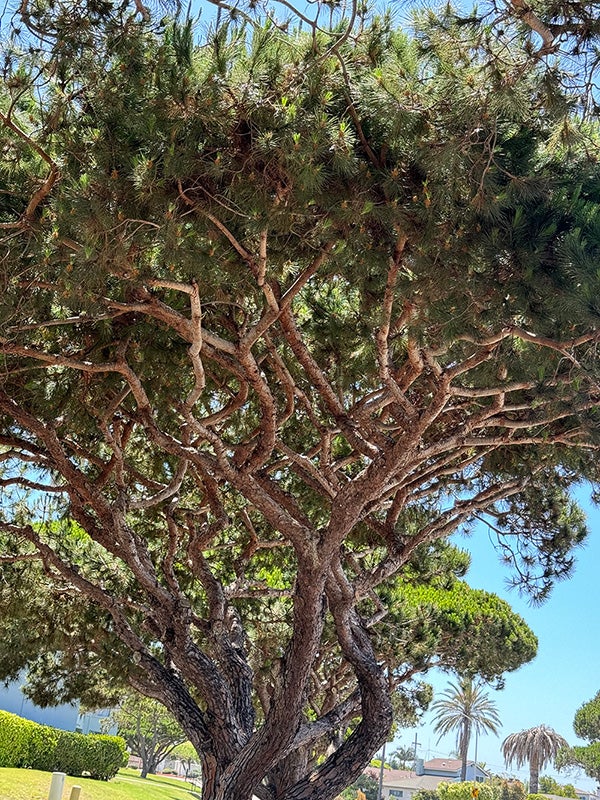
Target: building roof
416,782
446,764
390,774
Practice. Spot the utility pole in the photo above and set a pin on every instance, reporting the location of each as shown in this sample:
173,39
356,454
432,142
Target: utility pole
380,792
415,744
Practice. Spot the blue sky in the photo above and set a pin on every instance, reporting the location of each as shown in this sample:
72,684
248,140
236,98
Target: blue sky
563,675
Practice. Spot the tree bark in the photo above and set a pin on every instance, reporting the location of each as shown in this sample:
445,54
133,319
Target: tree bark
534,775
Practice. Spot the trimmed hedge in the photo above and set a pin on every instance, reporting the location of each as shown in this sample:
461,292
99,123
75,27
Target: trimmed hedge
26,744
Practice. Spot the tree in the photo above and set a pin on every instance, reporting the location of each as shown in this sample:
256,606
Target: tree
536,746
151,733
186,754
468,789
585,757
548,785
510,789
464,708
402,758
279,311
586,724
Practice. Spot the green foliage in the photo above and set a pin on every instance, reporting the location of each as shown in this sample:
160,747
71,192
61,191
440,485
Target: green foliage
280,309
549,785
26,744
366,784
15,736
585,757
402,758
49,747
97,754
586,722
466,630
464,708
426,794
463,791
510,789
150,731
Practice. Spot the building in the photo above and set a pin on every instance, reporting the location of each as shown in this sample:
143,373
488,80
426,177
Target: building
13,700
583,795
406,788
66,717
427,775
449,769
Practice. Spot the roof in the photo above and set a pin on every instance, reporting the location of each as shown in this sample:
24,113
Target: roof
447,764
417,782
390,774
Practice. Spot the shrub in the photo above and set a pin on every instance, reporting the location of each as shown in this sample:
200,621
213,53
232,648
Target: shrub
41,747
26,744
426,794
464,791
14,740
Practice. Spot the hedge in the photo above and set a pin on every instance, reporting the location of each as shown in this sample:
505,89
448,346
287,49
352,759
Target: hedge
26,744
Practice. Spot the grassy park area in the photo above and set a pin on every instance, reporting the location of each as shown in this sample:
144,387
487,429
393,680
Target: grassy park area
28,784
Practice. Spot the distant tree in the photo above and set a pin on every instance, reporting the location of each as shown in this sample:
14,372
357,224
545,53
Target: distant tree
549,785
585,757
186,754
509,789
536,746
464,708
586,724
149,729
466,789
402,758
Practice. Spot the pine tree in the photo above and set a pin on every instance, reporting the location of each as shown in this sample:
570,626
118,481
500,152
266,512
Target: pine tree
280,309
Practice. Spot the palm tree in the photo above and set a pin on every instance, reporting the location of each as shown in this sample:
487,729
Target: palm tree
538,746
465,708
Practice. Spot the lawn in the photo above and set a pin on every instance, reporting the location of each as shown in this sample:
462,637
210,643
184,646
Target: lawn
30,784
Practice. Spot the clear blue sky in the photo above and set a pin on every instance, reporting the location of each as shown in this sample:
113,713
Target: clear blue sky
565,672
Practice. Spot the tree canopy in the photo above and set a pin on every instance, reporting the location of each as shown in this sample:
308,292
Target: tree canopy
586,722
586,725
150,731
282,308
537,747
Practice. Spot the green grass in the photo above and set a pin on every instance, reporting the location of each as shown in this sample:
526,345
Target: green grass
31,784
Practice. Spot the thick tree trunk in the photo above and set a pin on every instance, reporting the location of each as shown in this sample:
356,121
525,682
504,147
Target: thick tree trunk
288,772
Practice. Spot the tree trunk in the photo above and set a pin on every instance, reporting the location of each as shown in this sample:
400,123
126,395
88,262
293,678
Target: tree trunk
534,776
289,771
464,748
